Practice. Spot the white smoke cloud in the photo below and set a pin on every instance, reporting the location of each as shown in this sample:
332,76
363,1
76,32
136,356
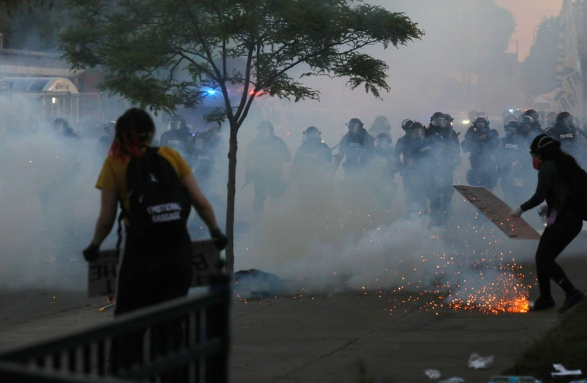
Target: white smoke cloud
48,208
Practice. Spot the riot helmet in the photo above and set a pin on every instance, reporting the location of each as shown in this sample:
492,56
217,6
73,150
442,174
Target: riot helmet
354,125
565,119
533,114
407,123
480,122
176,122
526,123
311,135
438,120
382,141
417,130
510,118
449,119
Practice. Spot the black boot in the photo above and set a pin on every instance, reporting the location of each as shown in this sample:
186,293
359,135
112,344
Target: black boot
542,303
571,300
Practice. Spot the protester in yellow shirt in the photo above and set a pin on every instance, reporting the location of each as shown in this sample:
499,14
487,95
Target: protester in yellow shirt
149,274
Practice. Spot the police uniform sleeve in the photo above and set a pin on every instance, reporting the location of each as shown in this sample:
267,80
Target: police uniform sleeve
106,179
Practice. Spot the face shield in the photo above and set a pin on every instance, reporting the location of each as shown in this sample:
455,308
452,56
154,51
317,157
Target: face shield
570,122
174,125
352,127
439,122
417,133
479,126
312,137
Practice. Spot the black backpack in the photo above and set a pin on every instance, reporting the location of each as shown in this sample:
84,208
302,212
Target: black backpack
577,201
159,204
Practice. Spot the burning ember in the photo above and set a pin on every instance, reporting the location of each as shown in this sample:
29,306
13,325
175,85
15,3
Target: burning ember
501,292
463,265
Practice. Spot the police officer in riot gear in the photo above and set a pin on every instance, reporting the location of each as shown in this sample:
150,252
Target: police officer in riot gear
264,161
481,142
406,124
448,159
417,167
383,168
312,159
205,149
355,148
513,166
572,141
178,137
536,121
399,151
526,128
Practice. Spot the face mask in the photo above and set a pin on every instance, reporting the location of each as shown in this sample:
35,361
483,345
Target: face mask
536,163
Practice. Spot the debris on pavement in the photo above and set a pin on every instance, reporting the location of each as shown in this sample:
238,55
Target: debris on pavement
432,374
562,371
477,361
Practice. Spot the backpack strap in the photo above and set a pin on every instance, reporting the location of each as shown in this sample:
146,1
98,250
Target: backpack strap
123,213
119,233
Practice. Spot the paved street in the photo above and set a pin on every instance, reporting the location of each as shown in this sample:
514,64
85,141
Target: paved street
389,337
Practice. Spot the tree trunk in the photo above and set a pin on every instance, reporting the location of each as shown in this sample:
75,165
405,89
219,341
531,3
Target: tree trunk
231,198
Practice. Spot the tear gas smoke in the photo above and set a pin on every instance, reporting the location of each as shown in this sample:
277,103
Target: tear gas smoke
321,233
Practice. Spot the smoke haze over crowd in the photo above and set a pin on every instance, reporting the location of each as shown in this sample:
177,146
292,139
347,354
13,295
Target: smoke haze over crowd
49,205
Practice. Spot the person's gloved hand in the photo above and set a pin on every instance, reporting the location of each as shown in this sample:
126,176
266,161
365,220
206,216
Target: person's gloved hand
91,252
516,213
220,240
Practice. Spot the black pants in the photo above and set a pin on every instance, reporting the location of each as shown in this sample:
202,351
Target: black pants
150,275
554,240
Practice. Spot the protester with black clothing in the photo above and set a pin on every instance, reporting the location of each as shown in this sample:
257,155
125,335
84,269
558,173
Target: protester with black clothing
555,168
155,270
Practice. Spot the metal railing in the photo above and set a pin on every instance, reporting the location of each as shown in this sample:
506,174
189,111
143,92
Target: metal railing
185,340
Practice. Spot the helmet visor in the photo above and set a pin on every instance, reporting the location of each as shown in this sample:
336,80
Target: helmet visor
417,133
439,122
353,127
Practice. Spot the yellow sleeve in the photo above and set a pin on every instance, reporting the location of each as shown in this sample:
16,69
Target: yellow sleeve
107,178
176,160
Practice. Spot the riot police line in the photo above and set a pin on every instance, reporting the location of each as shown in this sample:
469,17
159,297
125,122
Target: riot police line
425,158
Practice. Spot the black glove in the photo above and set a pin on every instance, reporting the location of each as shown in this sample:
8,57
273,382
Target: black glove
91,252
220,240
